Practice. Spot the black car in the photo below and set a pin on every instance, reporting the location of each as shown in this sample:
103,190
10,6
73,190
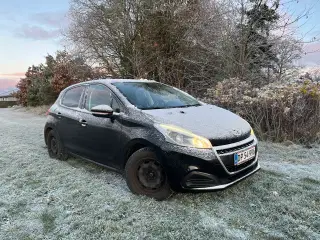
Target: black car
161,138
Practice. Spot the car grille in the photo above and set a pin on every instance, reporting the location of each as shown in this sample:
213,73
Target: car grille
234,149
220,142
227,157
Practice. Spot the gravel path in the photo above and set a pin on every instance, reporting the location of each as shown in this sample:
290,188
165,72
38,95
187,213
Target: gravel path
41,198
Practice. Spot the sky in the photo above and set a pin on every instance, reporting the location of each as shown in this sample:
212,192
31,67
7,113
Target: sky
31,29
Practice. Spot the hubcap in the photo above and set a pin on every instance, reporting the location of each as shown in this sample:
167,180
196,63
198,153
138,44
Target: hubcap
151,174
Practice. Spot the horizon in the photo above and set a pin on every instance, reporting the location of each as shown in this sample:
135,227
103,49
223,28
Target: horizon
31,30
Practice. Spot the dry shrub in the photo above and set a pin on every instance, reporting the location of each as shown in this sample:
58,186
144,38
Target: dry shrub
276,112
38,110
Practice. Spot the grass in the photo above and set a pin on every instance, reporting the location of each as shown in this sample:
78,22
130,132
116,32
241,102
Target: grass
41,198
311,181
39,110
48,222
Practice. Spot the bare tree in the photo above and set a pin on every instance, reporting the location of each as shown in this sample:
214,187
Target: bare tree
186,43
288,51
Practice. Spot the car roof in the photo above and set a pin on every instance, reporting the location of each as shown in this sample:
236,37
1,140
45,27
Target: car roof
110,81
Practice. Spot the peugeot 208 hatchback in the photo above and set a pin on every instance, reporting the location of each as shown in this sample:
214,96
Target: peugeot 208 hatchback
161,138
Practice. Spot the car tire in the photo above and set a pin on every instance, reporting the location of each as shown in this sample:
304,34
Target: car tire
145,175
56,149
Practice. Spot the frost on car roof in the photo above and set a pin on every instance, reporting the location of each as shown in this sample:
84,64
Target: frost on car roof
108,81
121,80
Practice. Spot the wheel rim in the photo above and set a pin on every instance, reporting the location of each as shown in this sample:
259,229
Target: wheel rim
151,175
54,146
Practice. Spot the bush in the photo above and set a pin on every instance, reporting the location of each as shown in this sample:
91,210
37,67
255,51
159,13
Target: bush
276,112
43,83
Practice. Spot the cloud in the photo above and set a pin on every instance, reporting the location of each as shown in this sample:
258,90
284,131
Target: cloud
43,26
8,16
12,75
311,59
312,47
311,56
37,32
8,83
51,19
9,80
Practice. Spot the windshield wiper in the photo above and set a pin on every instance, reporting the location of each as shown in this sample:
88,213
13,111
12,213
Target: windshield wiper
185,106
152,108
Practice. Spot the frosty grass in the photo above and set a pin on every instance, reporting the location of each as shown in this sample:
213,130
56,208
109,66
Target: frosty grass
42,198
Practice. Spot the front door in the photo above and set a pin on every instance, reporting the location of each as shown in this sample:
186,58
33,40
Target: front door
102,135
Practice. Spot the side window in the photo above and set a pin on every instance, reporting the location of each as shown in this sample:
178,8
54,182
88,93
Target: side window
100,95
72,97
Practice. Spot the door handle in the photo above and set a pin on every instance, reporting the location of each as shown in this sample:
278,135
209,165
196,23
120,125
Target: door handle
83,122
59,114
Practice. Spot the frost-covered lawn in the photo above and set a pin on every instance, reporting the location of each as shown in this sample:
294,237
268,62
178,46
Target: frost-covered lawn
41,198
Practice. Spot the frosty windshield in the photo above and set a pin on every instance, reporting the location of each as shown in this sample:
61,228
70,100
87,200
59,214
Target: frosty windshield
153,95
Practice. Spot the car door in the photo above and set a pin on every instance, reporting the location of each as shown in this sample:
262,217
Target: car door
102,136
69,128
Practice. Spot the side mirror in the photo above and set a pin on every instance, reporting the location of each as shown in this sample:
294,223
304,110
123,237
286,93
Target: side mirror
102,111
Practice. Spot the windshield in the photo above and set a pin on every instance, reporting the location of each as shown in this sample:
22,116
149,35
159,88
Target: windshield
153,95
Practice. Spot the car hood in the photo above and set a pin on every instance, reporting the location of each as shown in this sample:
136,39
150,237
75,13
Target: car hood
208,121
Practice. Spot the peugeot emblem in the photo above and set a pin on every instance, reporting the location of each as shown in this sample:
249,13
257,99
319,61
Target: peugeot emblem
236,132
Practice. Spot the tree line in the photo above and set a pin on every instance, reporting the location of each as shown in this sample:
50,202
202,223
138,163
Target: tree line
43,83
190,44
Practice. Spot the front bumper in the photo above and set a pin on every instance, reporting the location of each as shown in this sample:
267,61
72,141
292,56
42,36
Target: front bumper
203,170
227,184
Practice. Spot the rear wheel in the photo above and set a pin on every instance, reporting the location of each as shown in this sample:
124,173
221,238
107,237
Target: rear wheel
55,146
146,176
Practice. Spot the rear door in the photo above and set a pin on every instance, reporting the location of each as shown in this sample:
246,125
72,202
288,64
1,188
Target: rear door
69,114
102,136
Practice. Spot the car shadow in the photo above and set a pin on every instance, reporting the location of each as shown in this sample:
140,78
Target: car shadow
233,193
89,166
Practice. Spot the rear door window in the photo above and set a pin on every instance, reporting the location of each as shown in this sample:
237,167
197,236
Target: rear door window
72,97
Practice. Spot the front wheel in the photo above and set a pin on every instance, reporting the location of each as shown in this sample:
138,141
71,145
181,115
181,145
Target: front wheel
55,147
146,176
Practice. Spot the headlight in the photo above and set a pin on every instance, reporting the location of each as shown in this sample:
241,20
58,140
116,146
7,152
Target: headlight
183,137
252,132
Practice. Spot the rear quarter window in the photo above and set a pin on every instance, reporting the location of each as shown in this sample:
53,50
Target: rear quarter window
72,97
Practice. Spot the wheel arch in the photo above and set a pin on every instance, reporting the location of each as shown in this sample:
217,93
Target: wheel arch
48,127
46,132
135,145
